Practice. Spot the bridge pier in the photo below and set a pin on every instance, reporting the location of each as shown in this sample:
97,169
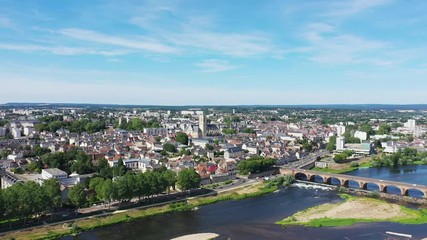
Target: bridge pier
327,180
363,185
344,182
403,191
383,188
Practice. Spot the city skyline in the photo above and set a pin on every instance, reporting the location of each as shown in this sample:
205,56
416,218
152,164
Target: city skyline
213,53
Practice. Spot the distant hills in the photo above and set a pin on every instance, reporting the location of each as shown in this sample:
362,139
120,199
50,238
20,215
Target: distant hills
416,107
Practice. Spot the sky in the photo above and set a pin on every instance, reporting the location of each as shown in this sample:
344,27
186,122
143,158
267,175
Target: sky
220,52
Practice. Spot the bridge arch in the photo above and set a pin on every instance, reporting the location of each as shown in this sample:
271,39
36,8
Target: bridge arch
317,177
333,180
414,192
301,176
371,186
391,189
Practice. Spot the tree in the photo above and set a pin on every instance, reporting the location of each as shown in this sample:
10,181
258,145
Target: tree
120,169
367,128
255,165
52,192
331,144
188,179
209,147
5,153
170,177
169,147
384,129
77,195
182,138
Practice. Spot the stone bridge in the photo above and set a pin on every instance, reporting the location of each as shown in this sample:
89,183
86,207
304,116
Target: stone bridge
361,181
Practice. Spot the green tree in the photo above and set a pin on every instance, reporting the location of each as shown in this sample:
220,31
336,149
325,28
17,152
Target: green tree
188,179
77,195
384,129
255,165
169,147
182,138
52,191
331,144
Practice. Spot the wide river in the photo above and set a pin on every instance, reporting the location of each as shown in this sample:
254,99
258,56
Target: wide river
255,218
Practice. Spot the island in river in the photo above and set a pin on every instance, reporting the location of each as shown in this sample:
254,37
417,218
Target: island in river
355,210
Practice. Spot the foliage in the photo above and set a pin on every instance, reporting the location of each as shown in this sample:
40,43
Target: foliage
341,157
249,130
401,158
255,165
24,201
138,124
331,144
188,179
169,147
384,129
77,195
229,131
182,138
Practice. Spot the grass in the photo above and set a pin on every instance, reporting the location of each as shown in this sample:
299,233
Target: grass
347,168
57,231
408,215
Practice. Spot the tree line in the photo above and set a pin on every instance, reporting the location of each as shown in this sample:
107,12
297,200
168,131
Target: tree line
255,165
401,158
132,185
29,200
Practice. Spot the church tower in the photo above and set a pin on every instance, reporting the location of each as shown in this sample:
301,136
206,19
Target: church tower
202,125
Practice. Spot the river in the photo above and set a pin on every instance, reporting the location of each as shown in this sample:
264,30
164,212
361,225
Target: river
255,218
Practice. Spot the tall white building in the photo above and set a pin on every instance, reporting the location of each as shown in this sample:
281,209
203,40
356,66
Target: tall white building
16,132
340,143
340,130
410,124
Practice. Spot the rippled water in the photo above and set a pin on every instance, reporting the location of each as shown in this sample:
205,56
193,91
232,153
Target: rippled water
251,219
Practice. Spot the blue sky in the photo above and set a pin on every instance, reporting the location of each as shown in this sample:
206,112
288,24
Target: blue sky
214,52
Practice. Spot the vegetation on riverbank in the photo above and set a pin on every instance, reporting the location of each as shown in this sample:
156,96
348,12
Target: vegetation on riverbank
56,231
355,210
344,169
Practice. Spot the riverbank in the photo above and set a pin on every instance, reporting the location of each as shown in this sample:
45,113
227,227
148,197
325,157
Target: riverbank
78,226
355,210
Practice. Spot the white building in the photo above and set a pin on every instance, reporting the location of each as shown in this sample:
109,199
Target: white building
340,130
361,135
28,130
53,173
410,124
2,131
16,132
390,147
142,164
340,143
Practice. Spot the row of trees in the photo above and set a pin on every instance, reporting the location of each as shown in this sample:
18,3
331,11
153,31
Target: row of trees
401,158
28,200
255,165
138,124
78,126
124,188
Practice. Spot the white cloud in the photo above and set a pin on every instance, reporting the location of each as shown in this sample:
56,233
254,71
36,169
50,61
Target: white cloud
132,43
352,7
327,45
215,65
59,50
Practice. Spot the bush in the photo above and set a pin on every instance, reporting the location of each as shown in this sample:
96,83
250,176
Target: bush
354,164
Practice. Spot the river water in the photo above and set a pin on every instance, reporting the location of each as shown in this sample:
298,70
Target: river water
255,218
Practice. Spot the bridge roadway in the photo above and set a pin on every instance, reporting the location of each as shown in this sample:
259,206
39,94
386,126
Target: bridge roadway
361,181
